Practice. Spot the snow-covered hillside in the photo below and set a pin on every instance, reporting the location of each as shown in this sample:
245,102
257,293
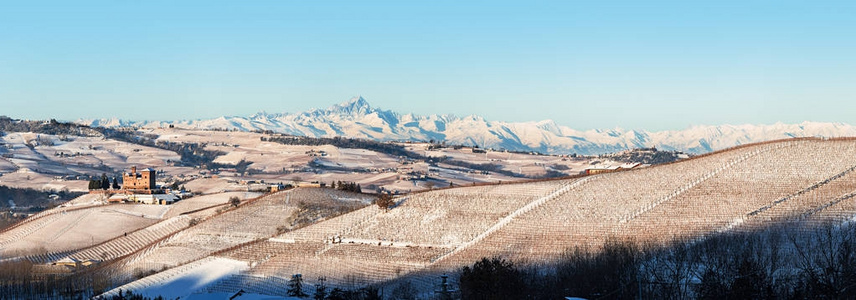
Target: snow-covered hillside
357,119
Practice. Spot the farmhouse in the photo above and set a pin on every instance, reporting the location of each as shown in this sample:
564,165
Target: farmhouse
161,199
75,263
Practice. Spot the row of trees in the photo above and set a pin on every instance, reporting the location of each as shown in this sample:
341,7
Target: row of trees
27,197
192,154
783,263
104,183
45,127
321,291
129,295
391,149
347,186
644,156
387,148
20,279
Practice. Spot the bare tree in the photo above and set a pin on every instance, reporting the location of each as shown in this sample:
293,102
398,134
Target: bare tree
385,201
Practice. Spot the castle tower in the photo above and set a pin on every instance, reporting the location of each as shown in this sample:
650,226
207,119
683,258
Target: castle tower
147,178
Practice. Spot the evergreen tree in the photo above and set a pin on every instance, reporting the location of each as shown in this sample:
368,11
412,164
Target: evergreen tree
94,184
295,286
105,182
115,183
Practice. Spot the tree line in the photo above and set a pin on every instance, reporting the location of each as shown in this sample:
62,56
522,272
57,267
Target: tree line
195,155
781,262
104,183
651,156
45,127
390,149
29,197
347,186
320,291
21,279
788,262
192,154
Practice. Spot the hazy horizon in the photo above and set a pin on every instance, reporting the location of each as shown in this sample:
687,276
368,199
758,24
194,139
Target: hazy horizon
459,116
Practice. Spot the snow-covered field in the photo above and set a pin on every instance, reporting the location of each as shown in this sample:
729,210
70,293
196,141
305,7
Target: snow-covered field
207,186
182,281
88,221
43,161
534,223
424,234
66,154
435,232
79,228
262,218
205,201
26,178
271,159
50,162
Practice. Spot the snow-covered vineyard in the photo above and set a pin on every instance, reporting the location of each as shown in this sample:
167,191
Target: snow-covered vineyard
257,247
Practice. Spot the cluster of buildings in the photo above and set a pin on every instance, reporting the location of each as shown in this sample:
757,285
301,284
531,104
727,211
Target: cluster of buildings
143,182
610,169
142,188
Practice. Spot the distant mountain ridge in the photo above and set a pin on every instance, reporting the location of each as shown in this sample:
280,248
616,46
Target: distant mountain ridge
357,119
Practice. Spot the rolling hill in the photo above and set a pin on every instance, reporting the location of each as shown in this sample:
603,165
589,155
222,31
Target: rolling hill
801,181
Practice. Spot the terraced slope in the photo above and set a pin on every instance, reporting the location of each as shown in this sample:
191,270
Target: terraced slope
426,234
66,229
257,219
725,199
537,222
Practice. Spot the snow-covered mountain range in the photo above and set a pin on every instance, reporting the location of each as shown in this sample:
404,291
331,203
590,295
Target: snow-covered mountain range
357,119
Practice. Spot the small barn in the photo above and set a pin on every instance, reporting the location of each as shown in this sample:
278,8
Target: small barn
154,199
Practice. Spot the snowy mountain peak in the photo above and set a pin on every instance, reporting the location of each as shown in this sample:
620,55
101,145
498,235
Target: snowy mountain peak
356,105
355,118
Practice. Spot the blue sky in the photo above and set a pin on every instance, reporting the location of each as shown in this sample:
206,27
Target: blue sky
595,64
